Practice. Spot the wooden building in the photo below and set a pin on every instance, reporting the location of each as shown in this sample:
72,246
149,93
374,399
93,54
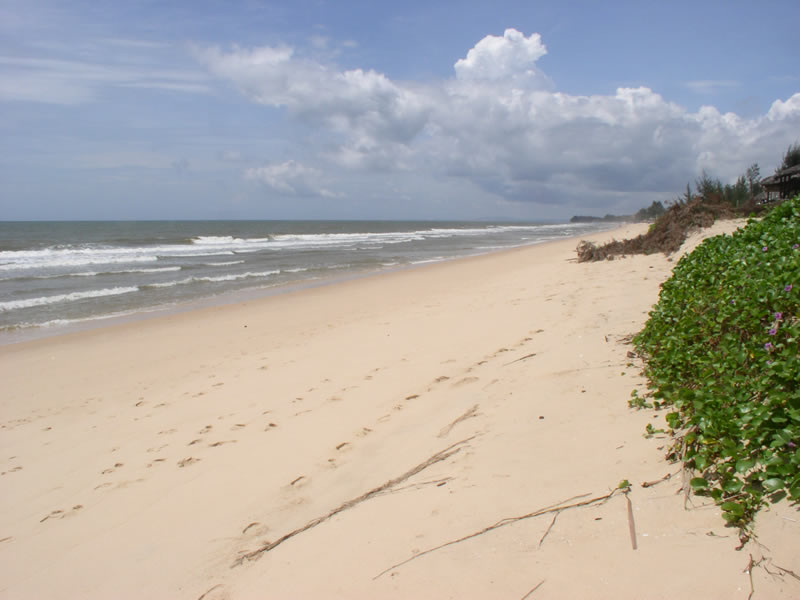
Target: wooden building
782,185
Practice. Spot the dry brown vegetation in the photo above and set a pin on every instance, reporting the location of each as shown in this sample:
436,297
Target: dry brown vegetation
666,234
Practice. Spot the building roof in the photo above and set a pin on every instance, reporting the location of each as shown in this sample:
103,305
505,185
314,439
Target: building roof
792,172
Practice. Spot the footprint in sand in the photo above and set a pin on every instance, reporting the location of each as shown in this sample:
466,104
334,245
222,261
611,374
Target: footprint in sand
111,469
60,514
254,529
238,426
187,461
217,444
206,429
465,381
342,446
299,481
167,431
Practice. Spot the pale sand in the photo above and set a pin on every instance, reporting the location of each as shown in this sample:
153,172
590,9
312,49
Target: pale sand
140,461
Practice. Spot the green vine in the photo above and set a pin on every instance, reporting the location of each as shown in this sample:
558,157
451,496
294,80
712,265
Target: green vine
721,352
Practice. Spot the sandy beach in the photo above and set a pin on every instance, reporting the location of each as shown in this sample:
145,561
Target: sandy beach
376,438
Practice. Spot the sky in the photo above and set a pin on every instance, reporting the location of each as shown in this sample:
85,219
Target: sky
357,109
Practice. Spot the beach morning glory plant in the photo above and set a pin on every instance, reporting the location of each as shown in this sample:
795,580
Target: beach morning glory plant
721,353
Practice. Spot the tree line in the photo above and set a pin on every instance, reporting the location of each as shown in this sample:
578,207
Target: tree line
740,195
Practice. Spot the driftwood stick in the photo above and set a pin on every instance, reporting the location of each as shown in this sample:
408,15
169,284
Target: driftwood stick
556,508
438,457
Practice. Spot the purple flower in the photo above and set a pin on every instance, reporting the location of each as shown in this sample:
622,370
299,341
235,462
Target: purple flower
788,288
778,316
765,248
773,331
791,445
796,246
733,301
768,346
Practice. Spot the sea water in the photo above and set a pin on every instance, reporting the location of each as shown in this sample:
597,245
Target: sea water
59,274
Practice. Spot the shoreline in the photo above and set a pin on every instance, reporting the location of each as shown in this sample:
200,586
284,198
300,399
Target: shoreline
362,425
235,297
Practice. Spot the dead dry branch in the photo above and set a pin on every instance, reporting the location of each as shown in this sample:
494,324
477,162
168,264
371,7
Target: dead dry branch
470,413
438,457
555,508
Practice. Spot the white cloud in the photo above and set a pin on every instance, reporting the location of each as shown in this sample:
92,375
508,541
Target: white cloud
785,110
290,178
510,57
499,124
709,86
68,81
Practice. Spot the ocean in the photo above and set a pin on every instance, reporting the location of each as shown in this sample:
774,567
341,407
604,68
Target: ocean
56,276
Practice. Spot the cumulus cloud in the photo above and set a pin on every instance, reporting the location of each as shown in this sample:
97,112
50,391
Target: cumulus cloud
290,178
499,124
511,57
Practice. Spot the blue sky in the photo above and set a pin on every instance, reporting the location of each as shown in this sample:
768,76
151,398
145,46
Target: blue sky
413,110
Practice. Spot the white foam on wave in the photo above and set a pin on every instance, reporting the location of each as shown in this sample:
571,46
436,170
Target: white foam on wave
45,300
72,261
203,253
212,279
226,239
223,264
93,273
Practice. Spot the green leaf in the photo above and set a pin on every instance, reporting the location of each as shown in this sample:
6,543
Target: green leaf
733,507
773,484
698,483
744,465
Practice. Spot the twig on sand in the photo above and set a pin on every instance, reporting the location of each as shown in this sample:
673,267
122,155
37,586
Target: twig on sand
667,477
555,508
438,457
787,572
470,413
749,570
208,591
547,531
531,355
631,523
533,589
